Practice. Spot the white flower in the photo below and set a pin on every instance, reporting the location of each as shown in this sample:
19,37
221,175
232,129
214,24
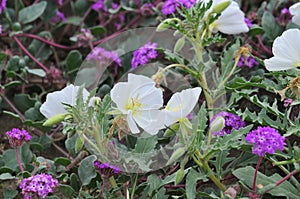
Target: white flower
140,101
180,105
54,101
295,10
286,50
231,20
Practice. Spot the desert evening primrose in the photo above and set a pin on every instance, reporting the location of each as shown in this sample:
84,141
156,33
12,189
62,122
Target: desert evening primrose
54,101
295,11
180,105
37,186
139,100
231,20
286,50
265,140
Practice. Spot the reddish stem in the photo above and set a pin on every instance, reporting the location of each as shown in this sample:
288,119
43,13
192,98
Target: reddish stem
30,55
19,161
284,179
47,41
255,174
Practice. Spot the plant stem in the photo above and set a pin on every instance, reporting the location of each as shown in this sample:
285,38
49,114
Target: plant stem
133,188
255,174
204,164
19,160
30,55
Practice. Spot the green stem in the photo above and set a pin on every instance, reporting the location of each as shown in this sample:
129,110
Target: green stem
204,164
134,186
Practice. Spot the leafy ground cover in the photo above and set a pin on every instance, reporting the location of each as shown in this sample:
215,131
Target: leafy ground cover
149,99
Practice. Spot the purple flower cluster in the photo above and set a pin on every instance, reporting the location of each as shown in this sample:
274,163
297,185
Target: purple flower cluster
105,56
284,17
106,169
248,22
2,5
232,121
99,5
265,140
144,54
250,62
170,6
0,29
17,137
60,2
38,185
287,102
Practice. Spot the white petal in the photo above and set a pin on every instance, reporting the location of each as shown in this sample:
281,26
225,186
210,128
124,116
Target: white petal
149,96
277,64
295,10
131,123
120,95
231,20
287,45
54,101
150,121
181,104
139,79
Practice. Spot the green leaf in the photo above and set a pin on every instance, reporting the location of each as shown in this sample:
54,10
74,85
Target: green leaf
270,26
285,189
37,72
97,30
23,101
199,126
191,181
73,60
86,170
2,56
145,145
74,182
10,194
31,13
62,161
73,20
6,176
255,30
67,190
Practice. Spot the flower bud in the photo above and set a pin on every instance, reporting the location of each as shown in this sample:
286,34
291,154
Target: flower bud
220,7
55,119
179,176
218,124
176,155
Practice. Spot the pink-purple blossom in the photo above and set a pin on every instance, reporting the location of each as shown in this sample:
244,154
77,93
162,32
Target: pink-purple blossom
38,185
287,102
2,5
265,140
248,22
170,6
144,54
232,121
17,137
59,17
249,63
99,5
106,168
60,2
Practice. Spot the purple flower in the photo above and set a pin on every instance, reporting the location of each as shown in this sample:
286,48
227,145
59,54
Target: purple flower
248,22
2,5
60,2
170,6
284,17
40,185
232,121
144,54
105,56
249,63
287,102
59,17
106,169
0,29
265,140
17,137
99,5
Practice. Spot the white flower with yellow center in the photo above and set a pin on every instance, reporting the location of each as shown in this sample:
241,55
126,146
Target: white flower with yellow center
140,101
295,11
180,105
55,101
286,50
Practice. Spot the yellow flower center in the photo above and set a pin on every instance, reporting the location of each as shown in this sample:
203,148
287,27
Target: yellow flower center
134,104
